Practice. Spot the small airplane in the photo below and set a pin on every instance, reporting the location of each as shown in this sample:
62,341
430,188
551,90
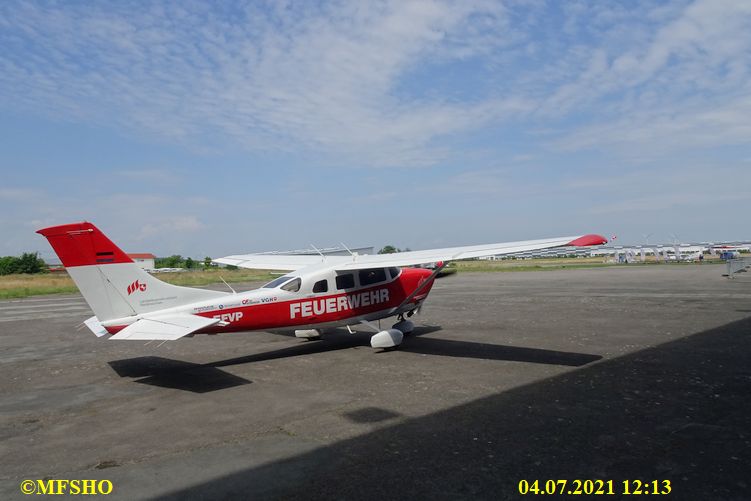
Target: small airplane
318,293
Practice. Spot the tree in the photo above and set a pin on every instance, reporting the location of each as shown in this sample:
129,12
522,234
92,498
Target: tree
29,262
189,263
207,262
174,261
8,265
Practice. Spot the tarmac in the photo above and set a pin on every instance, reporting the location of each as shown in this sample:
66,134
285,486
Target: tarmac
624,373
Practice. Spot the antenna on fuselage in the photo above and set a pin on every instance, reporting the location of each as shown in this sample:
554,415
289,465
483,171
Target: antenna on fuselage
228,285
318,251
354,254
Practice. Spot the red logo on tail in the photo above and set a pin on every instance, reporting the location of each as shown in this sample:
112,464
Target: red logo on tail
136,286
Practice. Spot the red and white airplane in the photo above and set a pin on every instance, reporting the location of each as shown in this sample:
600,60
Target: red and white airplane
319,292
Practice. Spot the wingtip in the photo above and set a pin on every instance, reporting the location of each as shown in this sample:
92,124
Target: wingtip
588,240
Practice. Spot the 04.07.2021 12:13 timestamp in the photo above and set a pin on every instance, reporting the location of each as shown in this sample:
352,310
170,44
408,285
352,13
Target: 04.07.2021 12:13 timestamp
595,487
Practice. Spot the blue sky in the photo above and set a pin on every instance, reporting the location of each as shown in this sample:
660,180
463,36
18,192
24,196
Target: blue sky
199,130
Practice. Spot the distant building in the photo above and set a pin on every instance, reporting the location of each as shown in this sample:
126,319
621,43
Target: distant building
145,261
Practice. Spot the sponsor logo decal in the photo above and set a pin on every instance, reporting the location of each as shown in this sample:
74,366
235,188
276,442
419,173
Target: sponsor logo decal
245,301
136,287
341,303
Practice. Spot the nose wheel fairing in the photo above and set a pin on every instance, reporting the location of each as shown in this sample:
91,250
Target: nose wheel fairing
386,339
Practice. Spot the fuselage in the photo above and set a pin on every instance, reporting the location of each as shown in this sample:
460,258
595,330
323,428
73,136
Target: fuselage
317,299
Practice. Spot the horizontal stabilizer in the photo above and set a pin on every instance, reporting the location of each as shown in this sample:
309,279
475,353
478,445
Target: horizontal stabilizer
95,326
164,327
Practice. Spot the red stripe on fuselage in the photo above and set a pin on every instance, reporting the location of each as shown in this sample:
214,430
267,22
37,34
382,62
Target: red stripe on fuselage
285,314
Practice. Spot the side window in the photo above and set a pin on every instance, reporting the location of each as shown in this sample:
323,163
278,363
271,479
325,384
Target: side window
321,286
372,276
346,281
394,272
292,286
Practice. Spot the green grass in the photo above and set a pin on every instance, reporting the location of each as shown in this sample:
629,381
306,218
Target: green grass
214,276
19,286
15,286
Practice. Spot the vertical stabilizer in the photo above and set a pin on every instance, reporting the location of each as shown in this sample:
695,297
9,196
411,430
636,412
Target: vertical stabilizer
112,284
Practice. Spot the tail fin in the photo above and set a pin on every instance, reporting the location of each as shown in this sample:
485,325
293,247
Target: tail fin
112,284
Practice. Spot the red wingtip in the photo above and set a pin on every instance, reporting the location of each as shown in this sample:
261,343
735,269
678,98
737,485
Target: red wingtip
81,244
587,240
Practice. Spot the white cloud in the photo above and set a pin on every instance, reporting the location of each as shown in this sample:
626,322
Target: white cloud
283,78
680,84
165,224
174,224
353,83
666,128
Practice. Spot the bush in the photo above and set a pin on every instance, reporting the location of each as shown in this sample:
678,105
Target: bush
28,263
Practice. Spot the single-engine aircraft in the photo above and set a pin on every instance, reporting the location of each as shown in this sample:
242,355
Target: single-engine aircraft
317,293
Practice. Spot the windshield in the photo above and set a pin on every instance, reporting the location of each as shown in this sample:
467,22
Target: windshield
292,285
277,282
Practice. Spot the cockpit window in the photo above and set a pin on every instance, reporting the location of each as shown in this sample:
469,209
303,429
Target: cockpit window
345,281
277,282
292,286
394,272
372,276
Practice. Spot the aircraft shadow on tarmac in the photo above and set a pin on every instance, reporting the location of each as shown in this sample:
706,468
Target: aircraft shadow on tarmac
169,373
203,378
678,411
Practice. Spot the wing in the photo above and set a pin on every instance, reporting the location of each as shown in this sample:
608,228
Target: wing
280,262
164,327
467,252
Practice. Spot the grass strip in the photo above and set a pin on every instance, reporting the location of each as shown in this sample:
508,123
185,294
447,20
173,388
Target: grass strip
20,286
